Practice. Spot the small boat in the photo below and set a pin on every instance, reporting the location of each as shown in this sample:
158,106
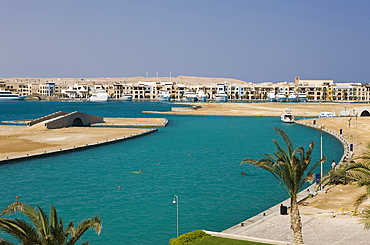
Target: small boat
189,97
221,96
126,96
271,97
302,97
292,97
8,95
280,97
202,97
327,114
287,116
164,96
99,95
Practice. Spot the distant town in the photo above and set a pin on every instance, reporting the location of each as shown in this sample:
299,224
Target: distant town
186,89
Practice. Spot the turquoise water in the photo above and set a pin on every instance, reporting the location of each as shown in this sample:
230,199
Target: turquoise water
199,161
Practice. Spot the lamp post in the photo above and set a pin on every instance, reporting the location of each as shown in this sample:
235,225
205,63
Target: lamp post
355,139
176,201
321,167
349,130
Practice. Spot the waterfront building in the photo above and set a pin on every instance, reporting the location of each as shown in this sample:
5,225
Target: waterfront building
299,90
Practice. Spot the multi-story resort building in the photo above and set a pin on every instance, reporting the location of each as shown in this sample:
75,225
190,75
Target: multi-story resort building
299,90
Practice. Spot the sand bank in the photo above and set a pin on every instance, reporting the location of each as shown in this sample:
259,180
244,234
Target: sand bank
133,122
21,141
356,132
264,109
319,224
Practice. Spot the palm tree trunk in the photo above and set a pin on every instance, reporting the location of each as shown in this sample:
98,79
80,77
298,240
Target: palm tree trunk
295,222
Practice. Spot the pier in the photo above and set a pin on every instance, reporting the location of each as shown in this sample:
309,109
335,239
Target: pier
62,131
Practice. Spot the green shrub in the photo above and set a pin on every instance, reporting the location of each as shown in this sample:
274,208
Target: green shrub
188,238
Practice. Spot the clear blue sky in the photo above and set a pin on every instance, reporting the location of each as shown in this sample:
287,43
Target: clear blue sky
251,40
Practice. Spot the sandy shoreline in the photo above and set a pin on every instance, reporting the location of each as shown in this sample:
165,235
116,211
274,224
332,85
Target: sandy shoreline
355,132
318,225
22,141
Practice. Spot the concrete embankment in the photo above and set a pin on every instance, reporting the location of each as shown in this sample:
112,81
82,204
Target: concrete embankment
346,146
23,155
20,142
133,122
239,230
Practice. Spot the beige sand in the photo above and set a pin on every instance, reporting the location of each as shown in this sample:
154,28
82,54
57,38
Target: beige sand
356,132
16,141
140,122
318,225
266,109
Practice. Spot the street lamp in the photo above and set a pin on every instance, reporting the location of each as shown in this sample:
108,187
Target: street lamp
321,167
176,201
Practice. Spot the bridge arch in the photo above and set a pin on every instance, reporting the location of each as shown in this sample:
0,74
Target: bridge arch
77,122
365,113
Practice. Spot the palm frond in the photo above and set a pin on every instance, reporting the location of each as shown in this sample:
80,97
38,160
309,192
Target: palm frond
20,230
366,218
83,226
12,208
5,242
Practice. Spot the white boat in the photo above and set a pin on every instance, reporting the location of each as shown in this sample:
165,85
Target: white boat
271,97
189,97
292,97
126,96
327,114
202,97
287,116
221,96
164,96
8,95
302,97
280,97
99,95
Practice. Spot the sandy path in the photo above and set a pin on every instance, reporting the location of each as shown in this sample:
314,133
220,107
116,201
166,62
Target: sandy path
18,141
265,109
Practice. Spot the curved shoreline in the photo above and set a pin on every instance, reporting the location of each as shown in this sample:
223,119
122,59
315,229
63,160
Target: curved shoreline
74,148
345,144
240,230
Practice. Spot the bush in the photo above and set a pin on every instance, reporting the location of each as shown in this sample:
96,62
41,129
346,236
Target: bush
188,238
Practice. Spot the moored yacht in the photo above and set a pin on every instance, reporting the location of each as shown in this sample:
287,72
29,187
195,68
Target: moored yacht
292,97
271,97
99,95
189,97
280,97
302,97
8,95
221,96
126,96
202,97
164,96
287,116
327,114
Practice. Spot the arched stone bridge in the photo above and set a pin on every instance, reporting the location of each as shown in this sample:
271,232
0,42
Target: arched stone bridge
361,111
64,119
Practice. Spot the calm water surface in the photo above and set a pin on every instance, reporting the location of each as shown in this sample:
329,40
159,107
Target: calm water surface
199,161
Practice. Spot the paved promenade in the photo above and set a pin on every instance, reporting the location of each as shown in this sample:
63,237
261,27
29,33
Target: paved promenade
327,218
320,227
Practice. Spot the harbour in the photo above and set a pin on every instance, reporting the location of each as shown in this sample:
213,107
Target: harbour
213,196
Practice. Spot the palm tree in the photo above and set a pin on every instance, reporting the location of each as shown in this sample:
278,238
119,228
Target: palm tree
292,168
45,230
358,173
